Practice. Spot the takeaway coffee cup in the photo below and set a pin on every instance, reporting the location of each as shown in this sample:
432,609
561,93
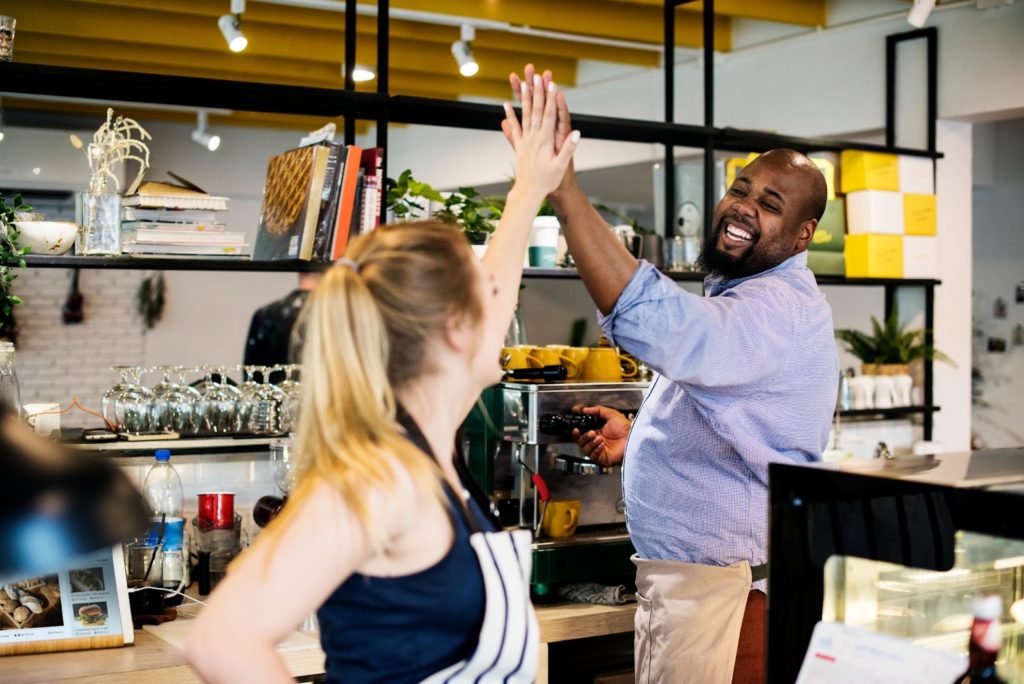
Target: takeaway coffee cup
543,247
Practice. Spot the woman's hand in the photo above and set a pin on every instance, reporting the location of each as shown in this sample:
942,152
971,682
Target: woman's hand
541,160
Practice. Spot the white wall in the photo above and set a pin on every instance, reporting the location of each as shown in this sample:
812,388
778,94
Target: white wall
999,266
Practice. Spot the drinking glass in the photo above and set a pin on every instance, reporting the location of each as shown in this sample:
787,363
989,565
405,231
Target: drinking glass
221,406
109,398
292,389
160,390
249,389
282,465
134,406
265,418
177,406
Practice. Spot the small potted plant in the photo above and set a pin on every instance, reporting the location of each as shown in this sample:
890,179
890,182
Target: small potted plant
890,348
407,199
476,213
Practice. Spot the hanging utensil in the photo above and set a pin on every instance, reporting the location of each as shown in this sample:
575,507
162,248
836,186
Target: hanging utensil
73,311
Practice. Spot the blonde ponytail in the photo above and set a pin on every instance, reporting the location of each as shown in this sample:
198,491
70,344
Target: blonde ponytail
367,327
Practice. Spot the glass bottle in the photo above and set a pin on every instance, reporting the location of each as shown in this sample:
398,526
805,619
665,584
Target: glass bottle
10,392
98,212
986,640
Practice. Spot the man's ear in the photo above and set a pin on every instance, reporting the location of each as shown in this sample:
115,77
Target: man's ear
805,232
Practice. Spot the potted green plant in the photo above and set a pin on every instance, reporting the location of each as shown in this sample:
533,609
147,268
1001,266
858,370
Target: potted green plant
11,255
407,198
476,213
890,348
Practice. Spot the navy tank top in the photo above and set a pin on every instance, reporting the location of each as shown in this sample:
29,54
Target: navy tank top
403,629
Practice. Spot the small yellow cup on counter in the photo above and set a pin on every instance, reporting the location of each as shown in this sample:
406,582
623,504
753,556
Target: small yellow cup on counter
560,518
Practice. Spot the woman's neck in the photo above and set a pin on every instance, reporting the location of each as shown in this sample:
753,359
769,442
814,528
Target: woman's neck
437,416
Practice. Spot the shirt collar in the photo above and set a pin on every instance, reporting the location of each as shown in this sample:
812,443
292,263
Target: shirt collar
715,284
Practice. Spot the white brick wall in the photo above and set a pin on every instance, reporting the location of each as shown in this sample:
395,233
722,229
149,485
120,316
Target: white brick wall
56,362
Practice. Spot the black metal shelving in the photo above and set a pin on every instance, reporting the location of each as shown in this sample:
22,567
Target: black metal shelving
383,108
173,264
895,412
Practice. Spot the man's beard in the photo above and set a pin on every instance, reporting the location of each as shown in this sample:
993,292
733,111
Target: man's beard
756,259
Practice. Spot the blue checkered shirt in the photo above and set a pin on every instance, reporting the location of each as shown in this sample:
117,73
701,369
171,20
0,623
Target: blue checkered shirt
748,377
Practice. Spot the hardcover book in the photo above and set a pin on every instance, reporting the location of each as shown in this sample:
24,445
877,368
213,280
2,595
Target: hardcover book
291,204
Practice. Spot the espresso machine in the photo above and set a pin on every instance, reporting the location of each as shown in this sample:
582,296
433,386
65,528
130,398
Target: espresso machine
520,430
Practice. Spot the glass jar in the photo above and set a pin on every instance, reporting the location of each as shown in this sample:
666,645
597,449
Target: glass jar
98,213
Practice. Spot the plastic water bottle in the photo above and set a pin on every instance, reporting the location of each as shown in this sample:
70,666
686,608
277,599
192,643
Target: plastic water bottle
162,489
10,393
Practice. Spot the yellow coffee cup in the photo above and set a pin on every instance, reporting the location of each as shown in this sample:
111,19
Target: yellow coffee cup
515,357
575,354
560,518
553,356
605,364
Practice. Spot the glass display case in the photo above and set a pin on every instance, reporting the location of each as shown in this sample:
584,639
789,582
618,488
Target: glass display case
899,547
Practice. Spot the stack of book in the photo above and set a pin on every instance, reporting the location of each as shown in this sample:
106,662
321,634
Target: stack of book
316,198
171,220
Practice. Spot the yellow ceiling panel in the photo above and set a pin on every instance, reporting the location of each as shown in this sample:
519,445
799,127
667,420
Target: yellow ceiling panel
802,12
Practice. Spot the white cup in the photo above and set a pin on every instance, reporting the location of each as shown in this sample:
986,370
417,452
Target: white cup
42,417
862,387
904,383
884,390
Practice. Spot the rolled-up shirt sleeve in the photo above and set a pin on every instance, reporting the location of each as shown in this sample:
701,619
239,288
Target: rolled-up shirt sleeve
732,340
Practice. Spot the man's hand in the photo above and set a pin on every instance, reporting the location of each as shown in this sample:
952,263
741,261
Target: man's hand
563,126
606,446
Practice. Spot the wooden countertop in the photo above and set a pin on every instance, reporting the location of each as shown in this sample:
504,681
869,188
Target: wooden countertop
155,661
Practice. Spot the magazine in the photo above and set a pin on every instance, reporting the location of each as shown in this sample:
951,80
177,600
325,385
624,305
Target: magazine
84,606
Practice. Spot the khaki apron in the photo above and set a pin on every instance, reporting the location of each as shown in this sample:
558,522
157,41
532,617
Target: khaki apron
688,620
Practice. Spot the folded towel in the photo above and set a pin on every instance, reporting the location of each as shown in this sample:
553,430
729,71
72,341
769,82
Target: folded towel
592,592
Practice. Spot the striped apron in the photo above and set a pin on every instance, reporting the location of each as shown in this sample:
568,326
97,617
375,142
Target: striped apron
509,637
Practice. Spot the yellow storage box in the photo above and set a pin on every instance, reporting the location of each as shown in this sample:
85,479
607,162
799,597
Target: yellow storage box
860,170
874,256
919,216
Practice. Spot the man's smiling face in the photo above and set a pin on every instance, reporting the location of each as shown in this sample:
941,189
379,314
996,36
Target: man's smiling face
768,215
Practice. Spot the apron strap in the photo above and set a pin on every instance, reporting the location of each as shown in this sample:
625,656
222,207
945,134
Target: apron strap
490,520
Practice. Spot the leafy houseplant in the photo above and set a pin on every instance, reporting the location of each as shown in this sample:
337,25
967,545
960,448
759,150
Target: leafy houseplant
890,348
10,253
475,213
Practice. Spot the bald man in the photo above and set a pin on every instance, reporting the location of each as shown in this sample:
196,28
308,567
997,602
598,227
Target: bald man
747,377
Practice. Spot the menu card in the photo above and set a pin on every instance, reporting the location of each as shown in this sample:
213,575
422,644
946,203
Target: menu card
84,606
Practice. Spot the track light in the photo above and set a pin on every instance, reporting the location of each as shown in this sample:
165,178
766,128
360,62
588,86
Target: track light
360,73
463,51
919,12
200,135
229,27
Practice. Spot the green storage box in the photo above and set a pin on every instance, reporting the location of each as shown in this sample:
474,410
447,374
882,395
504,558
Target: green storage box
831,233
826,263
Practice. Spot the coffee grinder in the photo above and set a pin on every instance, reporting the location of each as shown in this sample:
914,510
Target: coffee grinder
520,429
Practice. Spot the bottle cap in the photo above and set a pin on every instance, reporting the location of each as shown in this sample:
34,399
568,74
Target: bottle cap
163,455
988,607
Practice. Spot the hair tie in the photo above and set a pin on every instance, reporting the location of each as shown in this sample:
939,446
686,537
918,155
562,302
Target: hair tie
348,263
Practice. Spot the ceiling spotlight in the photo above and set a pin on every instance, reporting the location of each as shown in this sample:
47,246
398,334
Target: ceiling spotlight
361,73
202,137
229,27
919,12
463,51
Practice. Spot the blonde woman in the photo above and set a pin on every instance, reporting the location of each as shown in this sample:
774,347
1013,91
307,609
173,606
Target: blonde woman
412,579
